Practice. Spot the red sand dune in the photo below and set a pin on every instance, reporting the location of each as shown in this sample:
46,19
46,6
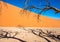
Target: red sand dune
12,16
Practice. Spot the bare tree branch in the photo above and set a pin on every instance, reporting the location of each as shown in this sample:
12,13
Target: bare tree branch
40,35
48,7
48,34
4,34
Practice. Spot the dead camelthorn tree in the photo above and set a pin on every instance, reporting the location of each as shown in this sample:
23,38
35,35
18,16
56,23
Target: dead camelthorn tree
53,36
46,8
25,8
31,7
6,34
43,34
39,34
49,36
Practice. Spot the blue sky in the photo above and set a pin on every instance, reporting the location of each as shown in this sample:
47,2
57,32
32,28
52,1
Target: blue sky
38,3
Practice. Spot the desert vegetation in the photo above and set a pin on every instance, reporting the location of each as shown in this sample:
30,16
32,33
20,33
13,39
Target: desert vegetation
46,8
29,8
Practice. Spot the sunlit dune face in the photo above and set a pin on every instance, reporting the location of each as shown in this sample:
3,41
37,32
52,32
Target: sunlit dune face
13,16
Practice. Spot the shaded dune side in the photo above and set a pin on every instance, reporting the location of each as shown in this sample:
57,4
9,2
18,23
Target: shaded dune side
12,16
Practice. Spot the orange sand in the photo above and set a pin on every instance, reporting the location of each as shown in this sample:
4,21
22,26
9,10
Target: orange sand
12,16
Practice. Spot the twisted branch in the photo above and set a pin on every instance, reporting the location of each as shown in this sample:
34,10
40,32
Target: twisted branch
4,34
